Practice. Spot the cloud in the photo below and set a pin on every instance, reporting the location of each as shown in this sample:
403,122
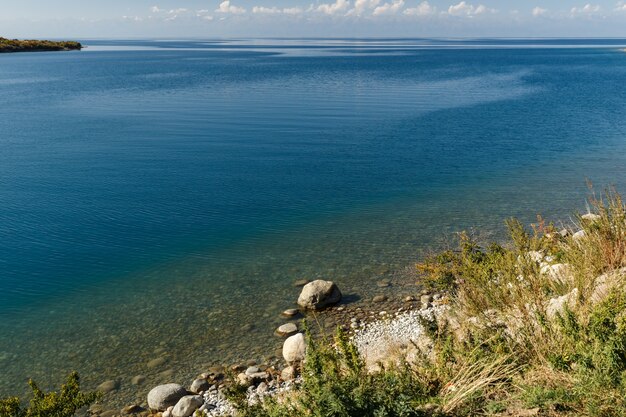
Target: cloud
292,10
265,10
276,10
620,7
333,8
466,9
538,11
155,9
389,8
226,7
360,6
586,9
423,9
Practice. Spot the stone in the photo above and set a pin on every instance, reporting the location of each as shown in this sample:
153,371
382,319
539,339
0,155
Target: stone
287,329
132,409
262,388
557,305
379,298
557,272
187,405
300,282
291,312
288,374
252,370
591,217
319,294
294,348
108,386
564,233
603,285
579,235
163,396
409,299
167,374
168,412
138,380
383,283
425,300
199,385
155,363
109,413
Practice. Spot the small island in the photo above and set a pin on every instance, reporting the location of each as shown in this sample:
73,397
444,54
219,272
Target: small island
15,45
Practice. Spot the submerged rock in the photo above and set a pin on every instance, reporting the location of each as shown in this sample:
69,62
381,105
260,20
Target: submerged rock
108,386
163,396
319,294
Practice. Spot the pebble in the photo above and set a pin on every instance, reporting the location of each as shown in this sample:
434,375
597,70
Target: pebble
379,298
287,329
383,283
291,312
138,380
409,299
199,385
155,363
108,386
300,282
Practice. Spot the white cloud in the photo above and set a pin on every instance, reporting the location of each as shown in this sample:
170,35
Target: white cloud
226,7
466,9
334,8
155,9
423,9
360,6
276,10
265,10
292,10
538,11
620,7
586,9
389,8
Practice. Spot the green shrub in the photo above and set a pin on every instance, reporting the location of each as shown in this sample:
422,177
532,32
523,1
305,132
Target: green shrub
64,403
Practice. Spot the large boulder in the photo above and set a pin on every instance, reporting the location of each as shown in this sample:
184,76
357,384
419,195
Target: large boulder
294,348
319,294
163,396
556,306
187,405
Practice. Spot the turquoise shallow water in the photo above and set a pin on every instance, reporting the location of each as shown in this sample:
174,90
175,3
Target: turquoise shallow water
159,197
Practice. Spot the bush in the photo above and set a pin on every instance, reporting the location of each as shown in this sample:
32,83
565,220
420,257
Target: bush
64,403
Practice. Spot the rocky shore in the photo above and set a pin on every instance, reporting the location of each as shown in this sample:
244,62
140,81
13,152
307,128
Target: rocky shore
323,303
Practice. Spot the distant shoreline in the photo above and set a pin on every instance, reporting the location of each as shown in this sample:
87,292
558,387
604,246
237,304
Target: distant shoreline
15,45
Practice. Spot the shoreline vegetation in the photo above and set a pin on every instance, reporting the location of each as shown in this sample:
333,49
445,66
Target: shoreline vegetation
534,326
16,45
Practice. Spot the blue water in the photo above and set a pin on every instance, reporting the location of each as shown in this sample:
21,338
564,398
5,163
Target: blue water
157,195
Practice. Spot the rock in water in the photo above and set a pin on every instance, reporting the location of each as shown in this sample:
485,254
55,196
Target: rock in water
287,329
187,405
108,386
319,294
163,396
294,348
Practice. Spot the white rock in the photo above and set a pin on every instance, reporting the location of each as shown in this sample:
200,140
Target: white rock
579,235
557,272
557,305
168,412
294,348
319,294
287,329
591,217
187,405
163,396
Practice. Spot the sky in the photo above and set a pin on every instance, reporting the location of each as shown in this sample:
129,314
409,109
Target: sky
310,18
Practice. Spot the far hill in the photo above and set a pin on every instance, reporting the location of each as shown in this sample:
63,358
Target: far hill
15,45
